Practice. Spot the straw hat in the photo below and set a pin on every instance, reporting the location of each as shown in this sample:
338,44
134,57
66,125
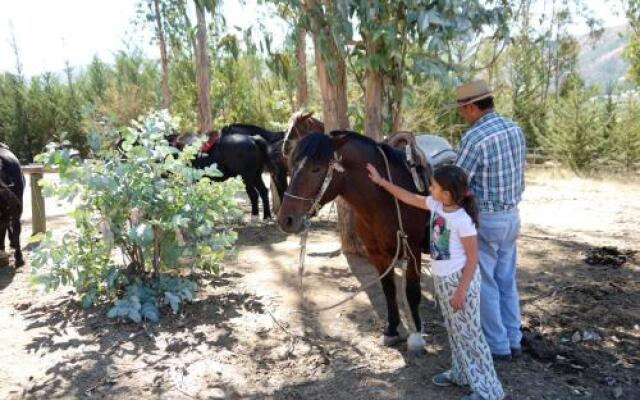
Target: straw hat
470,93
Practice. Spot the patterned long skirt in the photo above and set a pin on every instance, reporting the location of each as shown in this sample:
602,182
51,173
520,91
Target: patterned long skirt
471,361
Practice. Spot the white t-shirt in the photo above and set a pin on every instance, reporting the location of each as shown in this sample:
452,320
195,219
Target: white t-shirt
446,228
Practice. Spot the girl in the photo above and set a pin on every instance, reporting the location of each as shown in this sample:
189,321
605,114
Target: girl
454,251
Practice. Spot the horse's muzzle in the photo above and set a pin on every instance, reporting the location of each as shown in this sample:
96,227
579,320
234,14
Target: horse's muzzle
291,223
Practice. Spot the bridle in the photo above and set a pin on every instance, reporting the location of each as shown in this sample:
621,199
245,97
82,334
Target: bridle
334,165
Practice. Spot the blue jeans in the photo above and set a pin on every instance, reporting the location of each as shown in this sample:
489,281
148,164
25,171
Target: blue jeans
499,300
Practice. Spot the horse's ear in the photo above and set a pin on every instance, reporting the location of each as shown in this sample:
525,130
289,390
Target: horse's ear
338,139
305,116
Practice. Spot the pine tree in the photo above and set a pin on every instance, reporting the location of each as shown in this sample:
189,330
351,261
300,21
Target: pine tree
626,140
575,130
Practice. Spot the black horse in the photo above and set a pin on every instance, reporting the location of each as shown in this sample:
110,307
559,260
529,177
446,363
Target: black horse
12,185
239,153
277,164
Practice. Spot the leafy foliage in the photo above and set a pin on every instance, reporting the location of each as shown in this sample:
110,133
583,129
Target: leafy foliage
575,131
626,138
419,48
143,205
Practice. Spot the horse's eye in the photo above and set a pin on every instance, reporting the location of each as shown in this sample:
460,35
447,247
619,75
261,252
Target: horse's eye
315,170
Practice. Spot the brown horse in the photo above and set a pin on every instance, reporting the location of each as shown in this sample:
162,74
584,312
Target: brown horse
327,166
300,125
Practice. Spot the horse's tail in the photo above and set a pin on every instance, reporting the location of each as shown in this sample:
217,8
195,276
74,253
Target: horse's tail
275,163
263,146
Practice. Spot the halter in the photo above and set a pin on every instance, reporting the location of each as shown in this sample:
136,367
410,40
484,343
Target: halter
334,165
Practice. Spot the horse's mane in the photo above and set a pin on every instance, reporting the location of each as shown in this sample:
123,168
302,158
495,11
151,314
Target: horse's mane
315,147
318,147
269,136
394,156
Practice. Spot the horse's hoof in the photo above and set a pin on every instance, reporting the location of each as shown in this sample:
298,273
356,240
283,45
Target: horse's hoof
389,341
416,344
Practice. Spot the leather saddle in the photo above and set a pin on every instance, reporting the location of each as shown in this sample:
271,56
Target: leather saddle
424,153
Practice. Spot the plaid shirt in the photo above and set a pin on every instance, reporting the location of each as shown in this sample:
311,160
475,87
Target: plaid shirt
493,153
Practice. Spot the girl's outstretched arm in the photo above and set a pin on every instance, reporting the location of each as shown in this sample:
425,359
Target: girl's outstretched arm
403,195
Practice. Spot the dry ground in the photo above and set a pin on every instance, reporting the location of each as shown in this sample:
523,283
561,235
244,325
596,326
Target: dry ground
249,335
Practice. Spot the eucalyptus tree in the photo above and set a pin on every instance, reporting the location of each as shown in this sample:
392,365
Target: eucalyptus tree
386,41
632,52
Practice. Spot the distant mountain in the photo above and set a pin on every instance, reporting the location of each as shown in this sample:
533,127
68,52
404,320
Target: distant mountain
601,61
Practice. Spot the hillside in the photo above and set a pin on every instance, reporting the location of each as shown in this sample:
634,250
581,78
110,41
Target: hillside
601,61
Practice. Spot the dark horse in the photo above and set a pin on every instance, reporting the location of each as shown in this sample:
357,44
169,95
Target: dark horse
238,153
347,154
276,165
11,190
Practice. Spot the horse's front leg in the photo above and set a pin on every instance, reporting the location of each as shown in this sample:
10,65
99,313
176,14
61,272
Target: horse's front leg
391,335
415,342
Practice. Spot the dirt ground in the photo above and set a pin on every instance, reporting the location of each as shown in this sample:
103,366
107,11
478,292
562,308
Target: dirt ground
249,335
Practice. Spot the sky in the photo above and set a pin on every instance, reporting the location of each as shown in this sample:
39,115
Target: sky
48,33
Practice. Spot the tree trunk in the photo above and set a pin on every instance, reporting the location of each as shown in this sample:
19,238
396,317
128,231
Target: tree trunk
397,106
164,58
334,101
202,71
373,97
187,23
302,94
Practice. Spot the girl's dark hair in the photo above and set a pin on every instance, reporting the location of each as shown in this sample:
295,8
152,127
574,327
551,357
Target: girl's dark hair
454,180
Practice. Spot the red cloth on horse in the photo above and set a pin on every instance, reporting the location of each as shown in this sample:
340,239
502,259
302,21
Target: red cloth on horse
214,138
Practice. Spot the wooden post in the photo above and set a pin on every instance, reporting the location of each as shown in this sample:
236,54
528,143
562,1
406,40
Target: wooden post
38,214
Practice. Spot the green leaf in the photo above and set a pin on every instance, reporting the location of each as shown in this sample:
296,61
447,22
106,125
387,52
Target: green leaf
173,301
134,315
150,312
141,234
113,312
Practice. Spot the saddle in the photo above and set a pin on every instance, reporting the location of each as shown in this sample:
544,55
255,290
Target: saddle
423,154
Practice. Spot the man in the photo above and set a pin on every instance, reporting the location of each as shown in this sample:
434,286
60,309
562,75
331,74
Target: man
493,154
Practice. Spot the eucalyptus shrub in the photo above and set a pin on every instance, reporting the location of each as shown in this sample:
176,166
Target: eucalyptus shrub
142,215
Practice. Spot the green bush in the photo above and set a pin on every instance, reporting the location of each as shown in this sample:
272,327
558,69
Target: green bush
140,215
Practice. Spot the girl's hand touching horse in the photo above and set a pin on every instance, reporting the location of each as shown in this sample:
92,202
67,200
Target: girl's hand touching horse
374,175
